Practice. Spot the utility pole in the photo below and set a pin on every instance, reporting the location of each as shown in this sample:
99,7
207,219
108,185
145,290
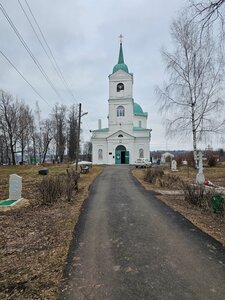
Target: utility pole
78,133
78,136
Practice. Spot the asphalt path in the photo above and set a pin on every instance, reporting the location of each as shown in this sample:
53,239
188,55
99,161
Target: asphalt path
130,245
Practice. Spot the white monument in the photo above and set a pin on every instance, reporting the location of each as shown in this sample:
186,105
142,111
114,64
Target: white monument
174,165
200,178
15,187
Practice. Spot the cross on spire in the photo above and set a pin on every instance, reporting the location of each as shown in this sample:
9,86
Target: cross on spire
121,38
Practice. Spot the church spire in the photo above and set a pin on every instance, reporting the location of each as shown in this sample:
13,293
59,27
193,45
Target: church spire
121,60
120,65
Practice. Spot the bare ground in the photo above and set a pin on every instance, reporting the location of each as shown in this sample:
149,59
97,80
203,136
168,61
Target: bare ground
35,238
206,220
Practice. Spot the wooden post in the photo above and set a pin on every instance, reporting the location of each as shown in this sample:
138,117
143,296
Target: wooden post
78,136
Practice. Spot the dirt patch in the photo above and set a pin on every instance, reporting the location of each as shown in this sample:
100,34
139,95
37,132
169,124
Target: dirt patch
206,220
35,239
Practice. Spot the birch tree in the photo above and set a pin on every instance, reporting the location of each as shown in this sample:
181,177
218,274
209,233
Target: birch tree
191,99
209,12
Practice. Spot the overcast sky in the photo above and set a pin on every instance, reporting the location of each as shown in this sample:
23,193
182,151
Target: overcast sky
83,36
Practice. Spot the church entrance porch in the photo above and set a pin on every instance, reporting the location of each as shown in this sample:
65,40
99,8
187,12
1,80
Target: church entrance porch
121,155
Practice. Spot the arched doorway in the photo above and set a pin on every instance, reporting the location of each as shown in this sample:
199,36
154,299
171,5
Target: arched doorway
121,155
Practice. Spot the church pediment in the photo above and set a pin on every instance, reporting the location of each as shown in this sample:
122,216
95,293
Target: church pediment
120,134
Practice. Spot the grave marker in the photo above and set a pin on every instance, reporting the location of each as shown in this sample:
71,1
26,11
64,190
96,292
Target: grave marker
200,178
15,187
174,165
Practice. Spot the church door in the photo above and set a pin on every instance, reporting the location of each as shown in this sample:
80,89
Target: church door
127,158
121,155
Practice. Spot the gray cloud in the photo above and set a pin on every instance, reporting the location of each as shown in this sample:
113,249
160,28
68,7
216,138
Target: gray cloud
83,36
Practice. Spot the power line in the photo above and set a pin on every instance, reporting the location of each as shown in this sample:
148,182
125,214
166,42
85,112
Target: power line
56,67
29,51
33,88
33,56
52,59
28,19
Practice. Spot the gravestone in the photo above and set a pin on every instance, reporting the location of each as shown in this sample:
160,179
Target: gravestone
200,178
15,187
174,165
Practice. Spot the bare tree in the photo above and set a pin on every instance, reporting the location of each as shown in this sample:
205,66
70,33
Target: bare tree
72,132
87,151
47,134
9,116
191,99
34,136
209,11
3,149
59,124
24,127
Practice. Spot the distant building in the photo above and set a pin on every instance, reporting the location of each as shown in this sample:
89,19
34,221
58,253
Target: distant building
127,137
166,157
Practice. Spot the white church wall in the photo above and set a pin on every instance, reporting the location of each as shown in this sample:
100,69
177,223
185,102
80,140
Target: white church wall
128,144
127,119
142,134
142,144
141,119
126,79
96,156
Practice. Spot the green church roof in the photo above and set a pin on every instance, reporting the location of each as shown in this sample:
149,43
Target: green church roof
138,110
101,130
120,65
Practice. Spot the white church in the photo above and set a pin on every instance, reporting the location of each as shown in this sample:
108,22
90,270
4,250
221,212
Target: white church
127,137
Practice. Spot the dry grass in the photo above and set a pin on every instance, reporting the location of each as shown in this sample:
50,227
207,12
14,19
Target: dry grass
205,219
36,238
214,174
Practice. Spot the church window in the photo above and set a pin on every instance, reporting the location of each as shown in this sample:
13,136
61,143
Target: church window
100,154
120,87
139,124
120,135
141,153
120,111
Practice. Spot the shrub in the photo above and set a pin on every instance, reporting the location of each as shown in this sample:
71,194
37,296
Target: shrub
212,161
196,195
158,177
51,189
152,174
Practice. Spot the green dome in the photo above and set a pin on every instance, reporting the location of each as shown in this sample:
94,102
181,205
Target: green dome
122,67
137,109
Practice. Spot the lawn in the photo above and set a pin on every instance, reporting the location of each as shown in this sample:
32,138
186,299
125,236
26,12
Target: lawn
35,238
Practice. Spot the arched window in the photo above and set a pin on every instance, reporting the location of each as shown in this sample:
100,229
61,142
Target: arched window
120,135
100,154
141,153
120,111
120,87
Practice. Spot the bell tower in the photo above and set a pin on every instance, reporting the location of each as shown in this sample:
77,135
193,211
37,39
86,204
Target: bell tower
120,81
120,95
